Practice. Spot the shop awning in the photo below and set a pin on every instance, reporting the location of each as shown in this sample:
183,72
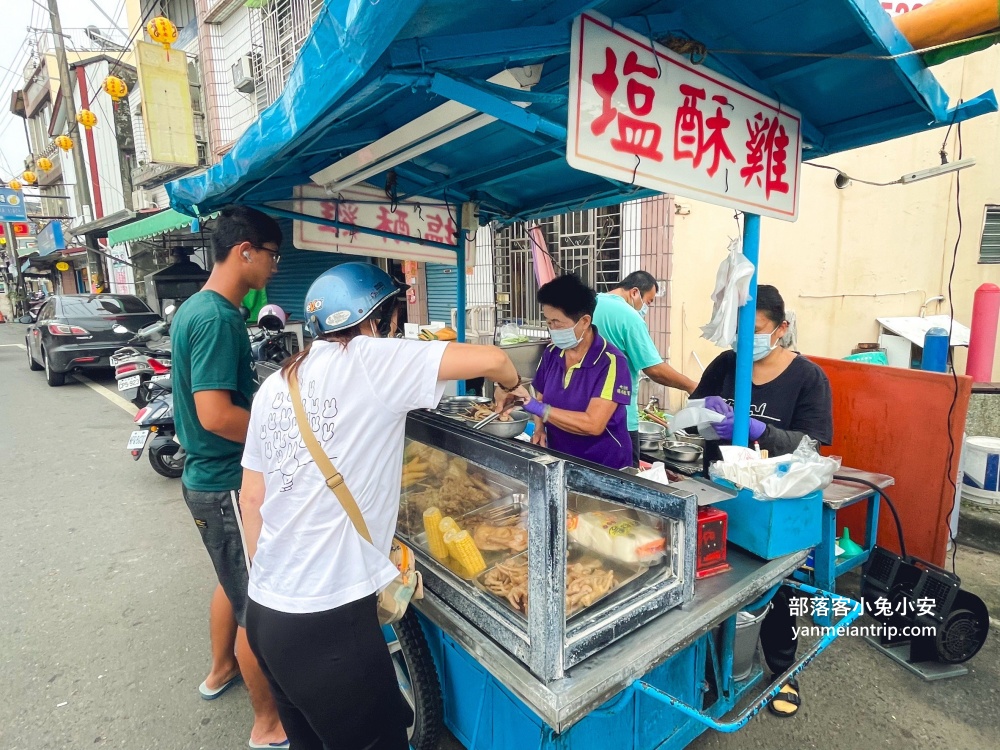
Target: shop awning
151,226
100,227
368,69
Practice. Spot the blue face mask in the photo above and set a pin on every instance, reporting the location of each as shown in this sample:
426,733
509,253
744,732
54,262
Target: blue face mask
644,309
761,345
564,338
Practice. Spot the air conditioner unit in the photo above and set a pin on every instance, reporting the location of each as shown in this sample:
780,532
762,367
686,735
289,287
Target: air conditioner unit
242,71
142,200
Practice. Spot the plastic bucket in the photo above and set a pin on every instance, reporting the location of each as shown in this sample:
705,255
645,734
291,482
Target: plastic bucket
981,483
745,645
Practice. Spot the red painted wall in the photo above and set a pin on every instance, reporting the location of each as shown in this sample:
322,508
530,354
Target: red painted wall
893,421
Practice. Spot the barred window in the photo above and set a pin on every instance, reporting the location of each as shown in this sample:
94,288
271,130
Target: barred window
989,244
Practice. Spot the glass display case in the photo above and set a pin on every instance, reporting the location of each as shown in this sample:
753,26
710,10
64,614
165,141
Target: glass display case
551,558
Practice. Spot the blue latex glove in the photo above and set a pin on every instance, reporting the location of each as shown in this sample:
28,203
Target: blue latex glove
724,429
719,405
533,407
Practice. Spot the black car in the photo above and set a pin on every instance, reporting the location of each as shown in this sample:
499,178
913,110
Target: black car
82,331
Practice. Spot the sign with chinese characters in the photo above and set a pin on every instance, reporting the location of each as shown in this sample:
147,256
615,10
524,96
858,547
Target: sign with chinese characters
12,205
641,114
367,206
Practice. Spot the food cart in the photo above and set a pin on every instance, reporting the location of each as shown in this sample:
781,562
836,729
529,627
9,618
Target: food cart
405,125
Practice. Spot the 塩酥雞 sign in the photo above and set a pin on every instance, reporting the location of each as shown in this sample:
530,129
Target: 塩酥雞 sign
640,114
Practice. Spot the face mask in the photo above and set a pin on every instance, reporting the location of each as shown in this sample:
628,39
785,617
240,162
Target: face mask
761,345
564,338
644,309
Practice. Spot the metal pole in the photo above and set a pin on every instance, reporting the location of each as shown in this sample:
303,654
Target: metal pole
79,165
744,336
460,296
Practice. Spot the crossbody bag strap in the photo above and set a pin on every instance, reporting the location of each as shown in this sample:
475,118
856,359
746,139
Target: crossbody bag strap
334,479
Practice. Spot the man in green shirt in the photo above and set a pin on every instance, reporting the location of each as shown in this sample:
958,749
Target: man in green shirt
213,384
620,319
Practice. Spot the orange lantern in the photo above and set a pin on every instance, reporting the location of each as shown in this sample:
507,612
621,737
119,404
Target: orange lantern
115,88
29,177
45,164
162,31
64,142
14,185
86,118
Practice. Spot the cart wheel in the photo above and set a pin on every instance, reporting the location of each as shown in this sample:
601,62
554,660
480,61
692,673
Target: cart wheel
418,682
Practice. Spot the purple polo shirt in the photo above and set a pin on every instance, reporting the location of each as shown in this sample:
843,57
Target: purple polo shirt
603,373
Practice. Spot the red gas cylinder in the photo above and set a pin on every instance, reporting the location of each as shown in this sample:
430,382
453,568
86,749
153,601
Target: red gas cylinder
983,333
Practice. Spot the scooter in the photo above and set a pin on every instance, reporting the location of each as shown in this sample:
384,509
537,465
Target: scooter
156,428
268,343
146,358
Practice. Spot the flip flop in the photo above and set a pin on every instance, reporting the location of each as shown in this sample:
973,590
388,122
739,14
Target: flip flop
257,746
789,694
208,694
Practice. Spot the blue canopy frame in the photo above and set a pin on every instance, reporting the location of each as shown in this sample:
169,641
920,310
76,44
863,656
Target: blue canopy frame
368,69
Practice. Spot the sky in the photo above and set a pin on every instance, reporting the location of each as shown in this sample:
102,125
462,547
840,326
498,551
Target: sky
18,15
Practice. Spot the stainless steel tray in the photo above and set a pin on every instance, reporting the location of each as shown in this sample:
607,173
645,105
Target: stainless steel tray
491,557
625,574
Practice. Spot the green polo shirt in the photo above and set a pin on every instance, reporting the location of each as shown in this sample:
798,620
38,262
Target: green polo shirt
625,329
210,352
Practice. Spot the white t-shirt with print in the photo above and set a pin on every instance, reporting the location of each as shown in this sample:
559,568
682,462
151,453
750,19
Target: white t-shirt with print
310,558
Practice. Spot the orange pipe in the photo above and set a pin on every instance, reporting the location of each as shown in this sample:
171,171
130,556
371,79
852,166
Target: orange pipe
948,21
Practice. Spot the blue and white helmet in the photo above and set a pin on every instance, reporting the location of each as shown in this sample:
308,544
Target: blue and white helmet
347,295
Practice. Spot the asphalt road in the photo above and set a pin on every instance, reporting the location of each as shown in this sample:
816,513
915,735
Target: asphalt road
103,608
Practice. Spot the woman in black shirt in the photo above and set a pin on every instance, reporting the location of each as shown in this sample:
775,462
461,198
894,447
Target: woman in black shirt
790,398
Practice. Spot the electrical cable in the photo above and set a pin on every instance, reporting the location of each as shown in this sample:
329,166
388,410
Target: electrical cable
888,501
951,353
125,47
853,179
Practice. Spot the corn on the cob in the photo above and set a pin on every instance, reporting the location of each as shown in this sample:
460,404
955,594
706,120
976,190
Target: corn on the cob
448,524
435,537
465,552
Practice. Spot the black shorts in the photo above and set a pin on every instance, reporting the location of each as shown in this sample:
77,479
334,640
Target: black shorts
217,516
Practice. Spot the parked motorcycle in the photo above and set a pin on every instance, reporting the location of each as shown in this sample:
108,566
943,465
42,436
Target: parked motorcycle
145,359
156,428
268,344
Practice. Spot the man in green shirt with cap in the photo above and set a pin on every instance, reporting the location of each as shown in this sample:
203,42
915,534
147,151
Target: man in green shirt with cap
620,319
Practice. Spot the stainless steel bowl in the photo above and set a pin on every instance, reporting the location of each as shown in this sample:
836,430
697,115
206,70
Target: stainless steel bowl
684,437
651,431
518,421
681,451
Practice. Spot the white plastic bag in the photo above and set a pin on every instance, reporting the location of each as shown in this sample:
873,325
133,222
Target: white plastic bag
511,334
695,414
732,287
789,476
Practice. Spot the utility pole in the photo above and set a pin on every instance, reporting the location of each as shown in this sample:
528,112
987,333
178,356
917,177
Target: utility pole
79,165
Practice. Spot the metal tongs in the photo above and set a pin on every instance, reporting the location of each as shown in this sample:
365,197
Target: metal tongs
483,422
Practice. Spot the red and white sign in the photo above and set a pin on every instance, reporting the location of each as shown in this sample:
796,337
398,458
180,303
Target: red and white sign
641,114
366,206
898,9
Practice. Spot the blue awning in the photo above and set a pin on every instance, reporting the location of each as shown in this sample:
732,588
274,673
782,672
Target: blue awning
369,68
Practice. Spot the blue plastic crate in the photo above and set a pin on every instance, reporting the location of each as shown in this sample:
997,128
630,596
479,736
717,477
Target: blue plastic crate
774,528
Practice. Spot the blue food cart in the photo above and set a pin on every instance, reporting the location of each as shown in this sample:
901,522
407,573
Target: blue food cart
459,114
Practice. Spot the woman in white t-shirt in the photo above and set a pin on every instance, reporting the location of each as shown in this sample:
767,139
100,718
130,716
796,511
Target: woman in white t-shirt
312,618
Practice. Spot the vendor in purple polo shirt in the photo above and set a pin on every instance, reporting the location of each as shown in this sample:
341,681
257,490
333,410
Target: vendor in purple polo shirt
582,386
